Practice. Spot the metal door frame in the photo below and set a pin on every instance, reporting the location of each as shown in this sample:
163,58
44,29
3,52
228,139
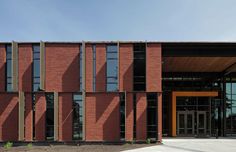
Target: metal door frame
185,113
205,121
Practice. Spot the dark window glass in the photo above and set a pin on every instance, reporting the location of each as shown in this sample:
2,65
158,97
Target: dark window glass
134,108
152,115
77,116
122,116
36,67
112,68
8,67
139,66
81,67
50,116
94,67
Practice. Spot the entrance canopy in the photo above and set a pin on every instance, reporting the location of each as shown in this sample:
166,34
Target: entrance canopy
199,57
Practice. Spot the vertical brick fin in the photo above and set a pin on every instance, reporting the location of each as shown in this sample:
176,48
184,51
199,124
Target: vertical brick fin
40,117
129,117
56,116
65,117
62,71
89,68
21,116
9,116
42,65
100,67
2,67
14,66
126,67
102,117
153,67
83,86
159,118
28,117
141,116
25,67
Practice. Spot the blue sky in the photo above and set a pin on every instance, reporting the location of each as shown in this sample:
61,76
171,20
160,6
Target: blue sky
159,20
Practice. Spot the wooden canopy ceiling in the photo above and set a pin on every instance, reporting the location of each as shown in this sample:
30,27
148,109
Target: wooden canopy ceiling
197,64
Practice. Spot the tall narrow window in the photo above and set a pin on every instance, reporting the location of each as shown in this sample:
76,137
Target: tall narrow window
77,117
94,68
50,116
33,108
81,67
122,116
112,68
36,67
8,67
134,108
139,67
152,115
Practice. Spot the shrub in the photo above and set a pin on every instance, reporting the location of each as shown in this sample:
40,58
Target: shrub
148,141
8,145
29,145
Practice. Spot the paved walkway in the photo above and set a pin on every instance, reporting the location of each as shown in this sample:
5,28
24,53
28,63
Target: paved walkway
191,145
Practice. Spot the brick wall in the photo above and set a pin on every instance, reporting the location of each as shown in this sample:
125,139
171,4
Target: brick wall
153,65
62,67
40,116
28,117
102,117
25,67
2,67
65,116
141,116
89,68
9,117
129,117
100,67
126,67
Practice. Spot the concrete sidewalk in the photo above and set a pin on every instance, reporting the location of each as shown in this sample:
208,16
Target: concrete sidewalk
191,145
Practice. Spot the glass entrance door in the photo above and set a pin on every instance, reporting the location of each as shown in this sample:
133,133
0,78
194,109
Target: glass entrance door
185,123
201,123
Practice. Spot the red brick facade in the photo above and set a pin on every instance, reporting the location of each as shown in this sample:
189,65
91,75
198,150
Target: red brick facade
2,67
25,67
102,117
65,116
62,67
9,117
62,75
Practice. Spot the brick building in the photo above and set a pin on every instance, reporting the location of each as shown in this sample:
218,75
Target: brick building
113,91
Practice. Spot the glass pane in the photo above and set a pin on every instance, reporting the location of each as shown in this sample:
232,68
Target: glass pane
9,87
189,121
233,88
112,68
228,88
201,120
233,100
77,97
36,68
111,80
36,48
36,87
36,55
111,48
112,55
181,121
9,68
111,87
